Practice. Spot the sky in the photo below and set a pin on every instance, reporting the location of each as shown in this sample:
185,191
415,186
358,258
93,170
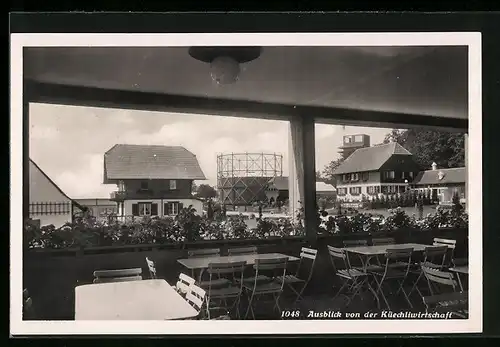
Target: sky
68,142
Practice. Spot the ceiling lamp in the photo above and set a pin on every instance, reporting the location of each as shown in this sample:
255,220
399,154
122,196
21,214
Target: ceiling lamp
225,61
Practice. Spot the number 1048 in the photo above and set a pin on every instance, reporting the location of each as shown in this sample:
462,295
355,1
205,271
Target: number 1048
290,314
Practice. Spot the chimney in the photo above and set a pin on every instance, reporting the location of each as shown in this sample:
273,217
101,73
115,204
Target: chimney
434,166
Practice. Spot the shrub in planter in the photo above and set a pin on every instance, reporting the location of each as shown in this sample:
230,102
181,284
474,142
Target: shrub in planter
236,227
266,228
189,223
343,224
359,221
396,220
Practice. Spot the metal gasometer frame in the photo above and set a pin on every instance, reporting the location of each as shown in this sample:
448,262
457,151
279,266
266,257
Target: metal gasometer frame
243,177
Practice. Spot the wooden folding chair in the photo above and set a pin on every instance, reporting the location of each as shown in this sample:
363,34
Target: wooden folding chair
352,279
151,267
196,297
444,300
122,275
397,268
276,267
218,292
183,284
383,241
28,310
451,244
307,261
434,258
202,253
242,250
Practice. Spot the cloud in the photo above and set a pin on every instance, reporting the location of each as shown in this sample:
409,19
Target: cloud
75,160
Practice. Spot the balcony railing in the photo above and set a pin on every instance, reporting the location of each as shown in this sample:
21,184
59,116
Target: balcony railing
117,196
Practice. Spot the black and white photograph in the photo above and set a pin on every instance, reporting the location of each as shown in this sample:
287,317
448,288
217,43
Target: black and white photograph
324,182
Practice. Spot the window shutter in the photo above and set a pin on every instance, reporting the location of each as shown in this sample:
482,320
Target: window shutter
135,209
154,209
181,206
165,209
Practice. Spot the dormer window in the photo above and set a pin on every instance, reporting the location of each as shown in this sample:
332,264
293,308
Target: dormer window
173,184
355,177
390,174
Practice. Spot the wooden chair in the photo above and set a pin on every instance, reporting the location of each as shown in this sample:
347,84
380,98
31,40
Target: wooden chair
307,262
122,275
202,253
434,258
383,241
225,284
184,284
444,300
242,251
355,243
451,244
276,268
28,311
151,267
352,279
396,270
196,298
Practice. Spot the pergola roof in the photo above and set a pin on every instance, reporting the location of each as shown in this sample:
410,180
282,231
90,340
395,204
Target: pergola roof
428,81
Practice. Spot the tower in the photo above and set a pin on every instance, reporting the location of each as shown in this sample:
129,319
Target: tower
352,143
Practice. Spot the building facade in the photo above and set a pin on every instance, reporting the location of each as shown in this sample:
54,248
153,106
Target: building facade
374,171
99,207
48,204
443,184
152,180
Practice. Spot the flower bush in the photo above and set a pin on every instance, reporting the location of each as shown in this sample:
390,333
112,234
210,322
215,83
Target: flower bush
188,226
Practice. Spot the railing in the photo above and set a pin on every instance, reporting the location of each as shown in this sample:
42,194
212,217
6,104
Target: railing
117,196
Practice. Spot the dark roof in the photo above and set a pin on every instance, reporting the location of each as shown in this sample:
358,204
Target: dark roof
449,176
57,187
279,183
150,162
370,158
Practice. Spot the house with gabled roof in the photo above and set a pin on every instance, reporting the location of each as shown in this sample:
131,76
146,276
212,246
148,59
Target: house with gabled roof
378,170
443,183
48,204
152,180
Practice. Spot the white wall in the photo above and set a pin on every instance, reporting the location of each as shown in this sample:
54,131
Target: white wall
42,190
197,205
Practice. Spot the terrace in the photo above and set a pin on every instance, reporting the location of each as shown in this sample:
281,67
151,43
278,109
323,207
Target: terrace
58,261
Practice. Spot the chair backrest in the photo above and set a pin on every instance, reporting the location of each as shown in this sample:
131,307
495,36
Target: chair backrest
451,244
441,277
117,279
196,297
354,243
200,253
396,255
28,312
307,256
226,268
445,242
435,254
275,265
151,267
184,283
383,241
118,273
242,250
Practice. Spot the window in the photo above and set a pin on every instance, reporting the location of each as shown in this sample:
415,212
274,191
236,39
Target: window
373,189
121,186
355,190
410,174
341,191
390,174
144,185
354,177
358,138
365,176
344,178
172,208
173,184
392,189
348,139
145,209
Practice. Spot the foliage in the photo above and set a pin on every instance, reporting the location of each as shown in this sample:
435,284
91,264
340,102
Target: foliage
188,226
205,191
327,174
446,149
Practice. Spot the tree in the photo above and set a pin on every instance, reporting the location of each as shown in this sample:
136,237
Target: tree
319,178
205,191
327,174
446,149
